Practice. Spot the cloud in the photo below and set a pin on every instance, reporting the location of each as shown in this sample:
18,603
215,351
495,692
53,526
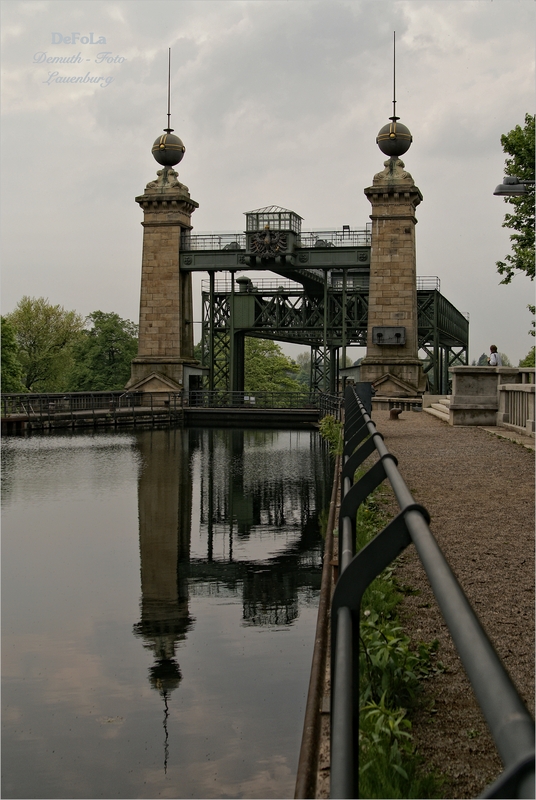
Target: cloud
276,102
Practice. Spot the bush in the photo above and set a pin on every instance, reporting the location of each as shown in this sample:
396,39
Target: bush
331,430
391,672
528,361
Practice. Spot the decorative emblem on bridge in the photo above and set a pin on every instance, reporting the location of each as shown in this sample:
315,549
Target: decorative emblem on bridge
303,258
268,244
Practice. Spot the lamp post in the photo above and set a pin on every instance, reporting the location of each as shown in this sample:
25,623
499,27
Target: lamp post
512,186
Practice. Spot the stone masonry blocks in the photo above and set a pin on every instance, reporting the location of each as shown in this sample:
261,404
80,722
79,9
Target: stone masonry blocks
393,285
165,297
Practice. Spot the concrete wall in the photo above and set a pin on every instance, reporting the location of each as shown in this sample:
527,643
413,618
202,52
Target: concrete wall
483,396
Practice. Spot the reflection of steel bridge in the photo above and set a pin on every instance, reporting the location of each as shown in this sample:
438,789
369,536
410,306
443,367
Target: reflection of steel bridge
238,502
321,303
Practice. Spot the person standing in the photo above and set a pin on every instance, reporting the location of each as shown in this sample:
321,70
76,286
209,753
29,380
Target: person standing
495,359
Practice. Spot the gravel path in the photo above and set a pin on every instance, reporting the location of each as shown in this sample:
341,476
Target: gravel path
479,491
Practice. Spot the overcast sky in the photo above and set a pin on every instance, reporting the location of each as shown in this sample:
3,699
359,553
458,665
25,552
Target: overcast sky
277,102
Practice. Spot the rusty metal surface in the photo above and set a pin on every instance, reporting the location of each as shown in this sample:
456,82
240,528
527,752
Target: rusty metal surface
313,756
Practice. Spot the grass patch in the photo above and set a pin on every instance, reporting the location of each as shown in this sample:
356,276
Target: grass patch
332,431
391,676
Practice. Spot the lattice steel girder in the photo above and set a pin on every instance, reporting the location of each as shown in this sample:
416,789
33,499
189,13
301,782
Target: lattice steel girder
215,342
291,315
320,369
457,358
437,364
440,321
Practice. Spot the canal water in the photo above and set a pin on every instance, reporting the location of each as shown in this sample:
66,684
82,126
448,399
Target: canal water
159,595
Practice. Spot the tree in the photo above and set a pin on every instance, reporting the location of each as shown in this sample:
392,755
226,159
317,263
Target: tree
11,366
519,144
532,310
103,353
303,376
267,368
483,360
528,361
303,361
45,336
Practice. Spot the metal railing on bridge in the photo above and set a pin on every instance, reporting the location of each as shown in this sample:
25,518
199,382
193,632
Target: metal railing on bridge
509,721
326,403
50,403
205,398
73,409
70,405
356,237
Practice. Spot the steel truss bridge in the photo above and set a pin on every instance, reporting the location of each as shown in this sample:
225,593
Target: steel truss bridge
321,303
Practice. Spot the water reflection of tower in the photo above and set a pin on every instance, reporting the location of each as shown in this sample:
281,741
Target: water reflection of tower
164,508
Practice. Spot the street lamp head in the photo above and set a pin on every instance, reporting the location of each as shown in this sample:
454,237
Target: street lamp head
512,186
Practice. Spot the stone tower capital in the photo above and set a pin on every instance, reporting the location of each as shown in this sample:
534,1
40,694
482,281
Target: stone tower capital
393,172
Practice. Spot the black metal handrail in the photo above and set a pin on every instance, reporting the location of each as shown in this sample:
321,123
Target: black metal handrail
52,404
329,404
509,721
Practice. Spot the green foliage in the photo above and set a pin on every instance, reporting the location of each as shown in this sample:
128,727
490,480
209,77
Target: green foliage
532,310
103,353
483,360
267,368
528,361
388,763
391,675
519,145
384,731
303,361
45,337
331,430
389,665
11,366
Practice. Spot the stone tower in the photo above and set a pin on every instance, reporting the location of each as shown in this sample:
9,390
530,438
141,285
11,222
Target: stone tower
392,362
165,345
164,513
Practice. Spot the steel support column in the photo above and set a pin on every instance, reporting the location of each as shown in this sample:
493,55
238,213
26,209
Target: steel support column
211,334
